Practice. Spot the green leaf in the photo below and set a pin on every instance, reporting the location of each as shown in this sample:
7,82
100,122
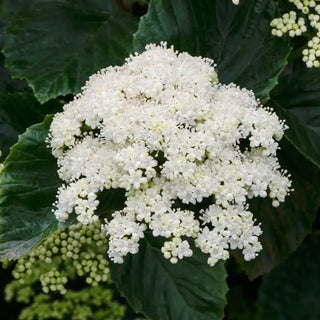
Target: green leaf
238,38
28,186
292,291
188,290
57,45
17,112
285,227
297,100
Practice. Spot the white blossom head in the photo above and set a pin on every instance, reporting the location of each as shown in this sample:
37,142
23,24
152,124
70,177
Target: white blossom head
187,152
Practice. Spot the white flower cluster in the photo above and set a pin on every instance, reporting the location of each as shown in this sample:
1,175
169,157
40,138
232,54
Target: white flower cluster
236,2
162,128
290,24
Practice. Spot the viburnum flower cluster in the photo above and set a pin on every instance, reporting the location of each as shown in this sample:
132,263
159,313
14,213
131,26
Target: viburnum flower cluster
187,150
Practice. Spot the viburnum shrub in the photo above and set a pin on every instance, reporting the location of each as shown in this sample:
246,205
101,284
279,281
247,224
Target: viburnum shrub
164,129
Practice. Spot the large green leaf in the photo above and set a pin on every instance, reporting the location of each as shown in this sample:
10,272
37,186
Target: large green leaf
57,45
28,185
297,100
238,38
285,227
292,291
188,290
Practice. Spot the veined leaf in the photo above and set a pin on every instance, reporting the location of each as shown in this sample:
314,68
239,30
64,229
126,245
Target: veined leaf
297,100
28,185
292,291
188,290
57,45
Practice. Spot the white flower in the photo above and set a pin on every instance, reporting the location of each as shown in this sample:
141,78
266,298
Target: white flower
176,249
165,131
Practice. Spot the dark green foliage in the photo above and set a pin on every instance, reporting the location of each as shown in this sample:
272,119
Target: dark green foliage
188,290
297,100
57,45
28,186
11,8
292,291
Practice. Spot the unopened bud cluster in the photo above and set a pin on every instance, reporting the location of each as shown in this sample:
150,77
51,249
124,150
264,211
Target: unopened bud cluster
163,129
294,26
311,56
288,23
80,247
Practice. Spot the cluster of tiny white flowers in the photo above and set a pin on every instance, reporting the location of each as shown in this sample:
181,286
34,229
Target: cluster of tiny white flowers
290,24
162,128
236,2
